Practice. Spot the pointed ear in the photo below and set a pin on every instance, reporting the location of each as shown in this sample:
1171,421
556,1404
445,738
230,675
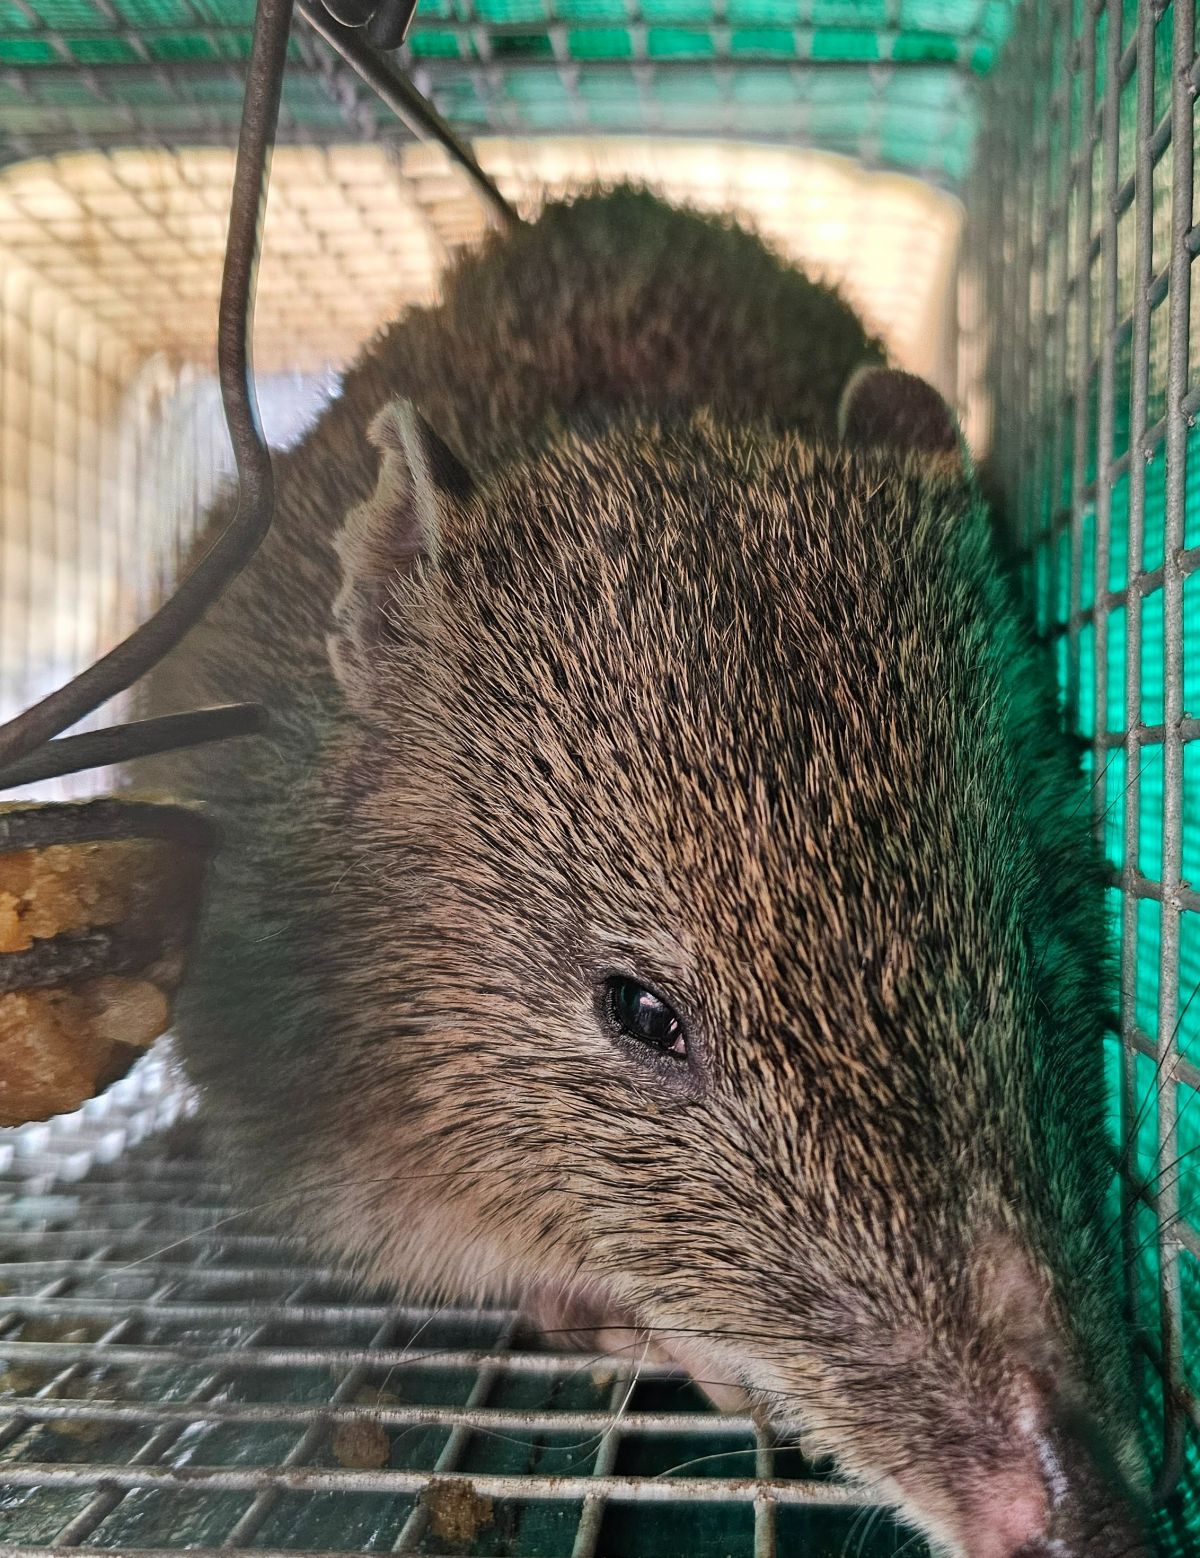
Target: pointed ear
883,408
392,534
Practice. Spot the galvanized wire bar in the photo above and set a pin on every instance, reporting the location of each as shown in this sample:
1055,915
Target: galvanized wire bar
322,1479
409,105
1141,192
1105,440
135,1244
1183,61
136,1355
1187,1074
587,1533
473,1419
192,71
277,1314
891,43
1081,179
1192,1404
1016,310
764,1506
1139,886
1054,408
266,1498
450,1458
1052,424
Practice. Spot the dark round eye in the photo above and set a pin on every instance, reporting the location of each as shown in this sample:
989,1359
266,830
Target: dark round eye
639,1014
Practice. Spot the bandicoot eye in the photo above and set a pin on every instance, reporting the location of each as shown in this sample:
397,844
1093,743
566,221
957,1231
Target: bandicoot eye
638,1013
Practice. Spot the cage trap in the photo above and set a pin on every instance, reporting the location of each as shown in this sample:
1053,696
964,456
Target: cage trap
177,1376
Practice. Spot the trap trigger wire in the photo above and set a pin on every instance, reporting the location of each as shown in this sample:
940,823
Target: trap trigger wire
28,748
32,731
386,23
397,92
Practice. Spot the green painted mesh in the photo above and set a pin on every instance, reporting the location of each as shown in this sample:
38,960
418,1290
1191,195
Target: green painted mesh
891,81
1083,233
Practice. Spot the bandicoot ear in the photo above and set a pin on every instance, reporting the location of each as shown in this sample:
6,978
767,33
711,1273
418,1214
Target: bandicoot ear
883,408
394,533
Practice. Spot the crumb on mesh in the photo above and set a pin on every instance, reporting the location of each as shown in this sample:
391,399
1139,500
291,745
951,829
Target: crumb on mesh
456,1512
361,1445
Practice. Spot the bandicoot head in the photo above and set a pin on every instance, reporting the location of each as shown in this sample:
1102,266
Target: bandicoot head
731,943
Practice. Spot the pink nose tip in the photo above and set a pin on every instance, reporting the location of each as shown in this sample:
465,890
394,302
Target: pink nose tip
1008,1519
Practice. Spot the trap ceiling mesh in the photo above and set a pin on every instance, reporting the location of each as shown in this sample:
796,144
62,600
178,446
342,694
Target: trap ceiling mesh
891,81
355,233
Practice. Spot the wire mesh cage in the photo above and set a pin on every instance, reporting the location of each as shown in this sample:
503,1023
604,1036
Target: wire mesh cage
887,79
556,1453
1006,194
1084,232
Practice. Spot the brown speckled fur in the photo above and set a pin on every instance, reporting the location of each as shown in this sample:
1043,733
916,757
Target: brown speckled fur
684,691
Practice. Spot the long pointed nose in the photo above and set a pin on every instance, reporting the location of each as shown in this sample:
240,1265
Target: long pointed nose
1007,1515
1073,1504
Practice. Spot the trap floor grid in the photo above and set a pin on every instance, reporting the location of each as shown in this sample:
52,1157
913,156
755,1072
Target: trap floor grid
173,1375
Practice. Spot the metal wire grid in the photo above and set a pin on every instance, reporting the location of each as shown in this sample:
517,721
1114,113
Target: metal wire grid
91,32
889,81
174,1377
126,236
1083,230
48,109
123,237
1060,204
61,379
